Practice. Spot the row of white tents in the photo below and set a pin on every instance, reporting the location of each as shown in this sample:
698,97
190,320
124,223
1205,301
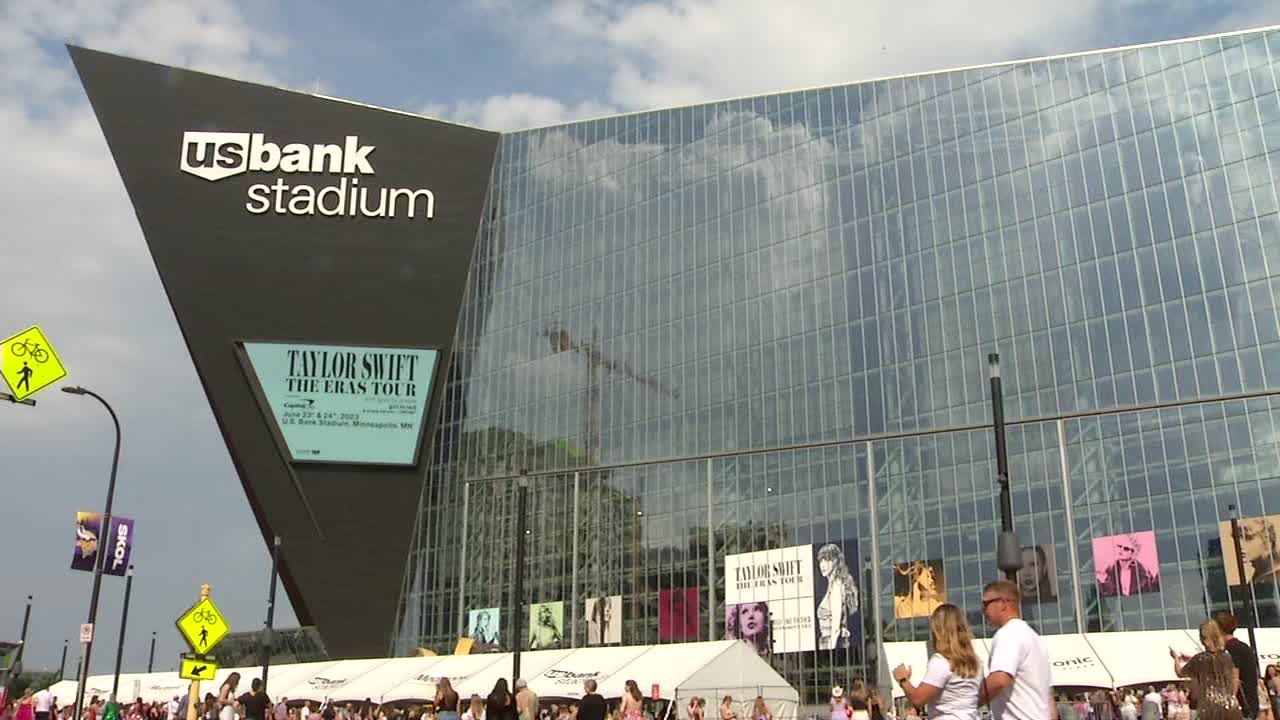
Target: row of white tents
670,672
1100,660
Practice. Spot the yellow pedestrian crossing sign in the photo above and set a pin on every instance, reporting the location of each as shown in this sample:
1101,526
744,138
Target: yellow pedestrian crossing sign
197,669
202,626
29,364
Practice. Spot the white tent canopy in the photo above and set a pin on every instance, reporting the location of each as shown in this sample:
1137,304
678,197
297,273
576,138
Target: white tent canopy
331,680
1102,660
709,669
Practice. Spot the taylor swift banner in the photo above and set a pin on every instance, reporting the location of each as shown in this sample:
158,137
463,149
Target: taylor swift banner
88,542
768,599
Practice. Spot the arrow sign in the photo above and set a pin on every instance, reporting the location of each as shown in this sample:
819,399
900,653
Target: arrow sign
197,669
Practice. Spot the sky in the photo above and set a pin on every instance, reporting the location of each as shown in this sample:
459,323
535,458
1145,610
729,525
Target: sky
73,260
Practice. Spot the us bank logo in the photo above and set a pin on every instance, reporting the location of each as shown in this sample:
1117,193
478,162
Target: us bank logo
215,156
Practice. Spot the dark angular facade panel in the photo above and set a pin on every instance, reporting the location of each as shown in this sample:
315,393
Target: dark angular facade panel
212,166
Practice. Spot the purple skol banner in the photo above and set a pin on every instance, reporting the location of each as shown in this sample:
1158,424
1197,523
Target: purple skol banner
119,543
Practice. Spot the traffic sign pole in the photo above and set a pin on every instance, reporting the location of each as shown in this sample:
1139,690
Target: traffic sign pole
203,627
193,695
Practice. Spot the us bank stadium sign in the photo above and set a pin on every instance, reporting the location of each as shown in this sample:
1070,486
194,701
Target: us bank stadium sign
215,156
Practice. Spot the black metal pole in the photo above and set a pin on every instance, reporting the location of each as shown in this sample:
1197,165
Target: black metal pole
124,621
517,596
151,656
271,612
16,668
62,664
1246,588
82,674
1008,555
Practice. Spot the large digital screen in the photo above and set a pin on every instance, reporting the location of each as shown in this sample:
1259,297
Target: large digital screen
345,404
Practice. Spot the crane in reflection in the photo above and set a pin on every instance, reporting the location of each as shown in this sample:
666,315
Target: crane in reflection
597,363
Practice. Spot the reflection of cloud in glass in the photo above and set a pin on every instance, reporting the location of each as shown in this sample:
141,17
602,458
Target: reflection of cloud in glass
753,214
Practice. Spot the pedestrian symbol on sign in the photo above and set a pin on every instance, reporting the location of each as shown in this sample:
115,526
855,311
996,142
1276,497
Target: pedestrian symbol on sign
29,364
202,626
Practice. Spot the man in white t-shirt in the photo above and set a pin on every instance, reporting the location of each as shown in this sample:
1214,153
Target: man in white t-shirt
171,709
1018,684
43,702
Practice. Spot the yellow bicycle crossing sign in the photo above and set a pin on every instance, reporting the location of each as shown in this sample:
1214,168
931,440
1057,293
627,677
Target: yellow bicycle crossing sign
29,364
203,626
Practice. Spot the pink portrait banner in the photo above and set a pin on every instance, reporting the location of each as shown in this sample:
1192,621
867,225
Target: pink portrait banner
1126,564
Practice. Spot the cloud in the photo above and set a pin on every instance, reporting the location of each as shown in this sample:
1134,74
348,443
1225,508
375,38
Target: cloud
76,264
662,53
516,111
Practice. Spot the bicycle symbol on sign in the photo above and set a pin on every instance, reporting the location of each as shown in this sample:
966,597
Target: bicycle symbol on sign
25,347
205,617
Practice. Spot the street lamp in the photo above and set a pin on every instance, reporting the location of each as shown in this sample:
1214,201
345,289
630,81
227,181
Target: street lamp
124,621
268,629
1008,554
517,595
100,560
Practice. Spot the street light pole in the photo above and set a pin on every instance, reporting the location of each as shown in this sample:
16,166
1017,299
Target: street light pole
1250,620
517,596
16,668
267,639
62,664
1008,554
151,657
101,558
124,621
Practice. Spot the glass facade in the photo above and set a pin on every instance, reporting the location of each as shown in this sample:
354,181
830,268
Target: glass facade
764,322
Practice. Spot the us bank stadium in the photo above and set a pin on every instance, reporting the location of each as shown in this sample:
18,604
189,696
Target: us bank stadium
728,342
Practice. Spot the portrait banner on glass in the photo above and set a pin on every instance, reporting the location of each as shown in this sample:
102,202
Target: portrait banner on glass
546,625
604,620
769,599
837,601
1126,564
484,626
1259,549
918,588
1038,578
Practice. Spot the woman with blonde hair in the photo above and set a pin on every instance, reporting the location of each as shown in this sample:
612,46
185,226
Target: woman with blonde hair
1213,676
950,684
760,711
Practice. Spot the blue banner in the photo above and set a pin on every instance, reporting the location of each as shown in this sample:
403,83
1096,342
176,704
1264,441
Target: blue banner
346,404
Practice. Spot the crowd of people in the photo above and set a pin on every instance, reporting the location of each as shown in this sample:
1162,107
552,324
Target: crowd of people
1222,680
501,704
1222,683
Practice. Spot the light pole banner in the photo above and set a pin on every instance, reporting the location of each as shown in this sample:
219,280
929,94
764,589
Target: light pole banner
89,539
